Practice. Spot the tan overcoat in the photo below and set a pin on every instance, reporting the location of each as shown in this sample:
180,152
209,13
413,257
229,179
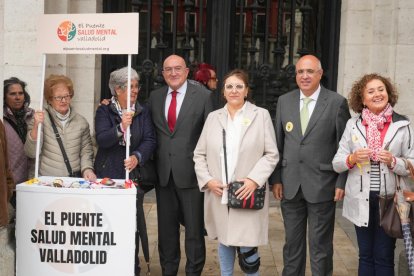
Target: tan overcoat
6,179
258,156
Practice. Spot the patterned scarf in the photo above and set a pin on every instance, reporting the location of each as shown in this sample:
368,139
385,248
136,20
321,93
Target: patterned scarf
116,106
375,123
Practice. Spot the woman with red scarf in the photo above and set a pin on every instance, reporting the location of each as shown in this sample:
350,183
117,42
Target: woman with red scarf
372,149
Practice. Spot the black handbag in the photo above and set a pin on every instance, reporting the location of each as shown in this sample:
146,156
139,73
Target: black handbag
256,200
145,175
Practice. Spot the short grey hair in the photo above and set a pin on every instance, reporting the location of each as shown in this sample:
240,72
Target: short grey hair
119,78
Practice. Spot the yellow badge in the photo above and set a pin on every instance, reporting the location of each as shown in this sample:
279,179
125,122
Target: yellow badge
354,138
289,126
246,122
32,181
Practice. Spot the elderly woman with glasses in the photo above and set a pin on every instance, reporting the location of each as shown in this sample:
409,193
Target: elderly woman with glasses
111,123
72,129
251,157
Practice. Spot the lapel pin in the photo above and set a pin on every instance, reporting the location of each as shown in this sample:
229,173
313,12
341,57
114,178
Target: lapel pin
246,122
354,138
289,126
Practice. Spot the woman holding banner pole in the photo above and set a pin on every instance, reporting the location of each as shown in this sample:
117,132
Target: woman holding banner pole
111,124
65,133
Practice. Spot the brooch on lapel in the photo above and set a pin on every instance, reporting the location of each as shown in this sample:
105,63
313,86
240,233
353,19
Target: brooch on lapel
355,138
289,126
246,122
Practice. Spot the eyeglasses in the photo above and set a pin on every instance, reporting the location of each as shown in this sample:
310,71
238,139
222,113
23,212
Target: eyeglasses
137,86
170,70
214,78
231,86
302,72
60,98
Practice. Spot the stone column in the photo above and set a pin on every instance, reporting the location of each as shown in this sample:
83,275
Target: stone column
378,36
18,42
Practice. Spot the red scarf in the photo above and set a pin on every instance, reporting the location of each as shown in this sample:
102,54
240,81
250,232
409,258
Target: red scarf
374,125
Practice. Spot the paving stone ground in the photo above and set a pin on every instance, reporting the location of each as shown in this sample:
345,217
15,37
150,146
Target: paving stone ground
345,251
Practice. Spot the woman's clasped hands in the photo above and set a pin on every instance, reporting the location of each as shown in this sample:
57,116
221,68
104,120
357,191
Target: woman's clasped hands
245,191
362,156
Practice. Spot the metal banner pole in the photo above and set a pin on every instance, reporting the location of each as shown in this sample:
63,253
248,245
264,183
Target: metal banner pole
128,131
39,127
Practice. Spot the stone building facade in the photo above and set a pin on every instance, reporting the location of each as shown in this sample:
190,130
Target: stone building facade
376,36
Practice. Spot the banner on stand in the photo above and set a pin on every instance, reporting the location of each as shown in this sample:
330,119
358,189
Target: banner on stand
62,231
105,33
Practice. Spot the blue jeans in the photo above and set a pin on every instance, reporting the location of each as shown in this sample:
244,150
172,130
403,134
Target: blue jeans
227,255
376,248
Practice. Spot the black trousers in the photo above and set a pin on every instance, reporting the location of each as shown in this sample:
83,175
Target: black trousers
175,206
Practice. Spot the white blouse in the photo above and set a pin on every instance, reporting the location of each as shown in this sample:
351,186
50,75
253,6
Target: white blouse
233,131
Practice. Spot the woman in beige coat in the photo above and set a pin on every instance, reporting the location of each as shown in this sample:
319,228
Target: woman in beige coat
251,157
72,128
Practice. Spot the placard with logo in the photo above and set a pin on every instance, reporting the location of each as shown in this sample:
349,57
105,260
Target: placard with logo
105,33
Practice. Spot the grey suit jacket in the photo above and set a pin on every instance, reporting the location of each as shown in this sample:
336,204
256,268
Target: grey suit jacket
306,160
175,150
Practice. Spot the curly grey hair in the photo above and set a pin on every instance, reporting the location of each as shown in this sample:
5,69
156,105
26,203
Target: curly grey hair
119,78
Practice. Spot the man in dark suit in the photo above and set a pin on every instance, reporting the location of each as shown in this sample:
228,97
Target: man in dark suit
178,112
309,125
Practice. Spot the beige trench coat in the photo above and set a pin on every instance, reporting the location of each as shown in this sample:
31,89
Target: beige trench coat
258,156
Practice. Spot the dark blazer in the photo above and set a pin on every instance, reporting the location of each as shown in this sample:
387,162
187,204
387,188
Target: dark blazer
109,160
175,150
306,160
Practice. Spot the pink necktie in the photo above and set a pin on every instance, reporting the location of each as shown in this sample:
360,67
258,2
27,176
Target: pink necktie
172,117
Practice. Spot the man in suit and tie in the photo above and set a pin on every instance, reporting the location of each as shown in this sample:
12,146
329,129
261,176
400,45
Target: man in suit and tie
178,112
309,125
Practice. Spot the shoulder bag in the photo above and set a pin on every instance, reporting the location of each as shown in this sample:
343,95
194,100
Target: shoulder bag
256,200
62,149
145,175
389,218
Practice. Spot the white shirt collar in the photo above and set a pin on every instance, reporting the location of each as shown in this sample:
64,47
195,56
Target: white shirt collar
180,90
314,96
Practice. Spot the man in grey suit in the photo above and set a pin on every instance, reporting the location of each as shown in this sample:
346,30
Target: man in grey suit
309,125
178,112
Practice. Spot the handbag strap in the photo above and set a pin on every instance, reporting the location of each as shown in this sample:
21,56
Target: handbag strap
59,140
225,154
